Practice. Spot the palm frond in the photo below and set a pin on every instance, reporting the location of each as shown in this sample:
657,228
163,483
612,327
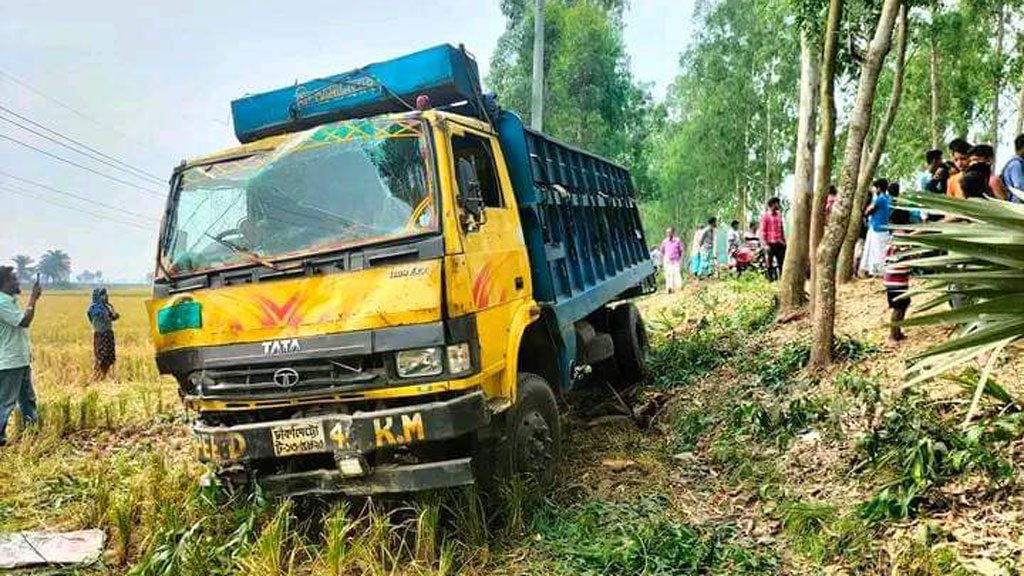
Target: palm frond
977,258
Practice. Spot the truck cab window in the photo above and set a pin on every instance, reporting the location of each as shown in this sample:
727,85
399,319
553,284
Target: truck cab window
478,151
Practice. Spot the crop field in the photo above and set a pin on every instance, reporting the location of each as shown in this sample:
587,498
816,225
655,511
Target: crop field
731,460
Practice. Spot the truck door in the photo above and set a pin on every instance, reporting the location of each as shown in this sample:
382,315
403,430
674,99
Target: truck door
495,251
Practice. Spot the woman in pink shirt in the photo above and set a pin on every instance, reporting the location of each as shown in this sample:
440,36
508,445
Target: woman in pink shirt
671,256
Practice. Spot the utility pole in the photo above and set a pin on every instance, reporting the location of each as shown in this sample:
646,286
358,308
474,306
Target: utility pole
537,96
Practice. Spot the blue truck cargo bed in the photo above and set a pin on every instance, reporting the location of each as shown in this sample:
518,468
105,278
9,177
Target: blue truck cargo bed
582,228
580,220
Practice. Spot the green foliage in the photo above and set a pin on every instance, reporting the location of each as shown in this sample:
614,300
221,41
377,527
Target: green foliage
735,95
806,525
864,389
718,334
639,537
689,426
924,449
590,99
983,262
775,369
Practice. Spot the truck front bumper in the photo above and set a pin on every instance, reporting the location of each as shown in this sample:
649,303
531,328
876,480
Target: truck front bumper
350,439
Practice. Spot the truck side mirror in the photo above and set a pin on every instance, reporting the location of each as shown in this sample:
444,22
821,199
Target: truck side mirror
470,197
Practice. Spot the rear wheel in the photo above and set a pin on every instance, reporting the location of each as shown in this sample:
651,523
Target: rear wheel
632,348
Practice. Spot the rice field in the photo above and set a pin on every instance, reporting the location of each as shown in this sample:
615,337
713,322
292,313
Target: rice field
115,455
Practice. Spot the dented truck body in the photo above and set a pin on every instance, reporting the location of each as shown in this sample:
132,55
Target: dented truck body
354,300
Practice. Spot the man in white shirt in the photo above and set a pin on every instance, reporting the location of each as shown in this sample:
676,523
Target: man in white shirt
15,372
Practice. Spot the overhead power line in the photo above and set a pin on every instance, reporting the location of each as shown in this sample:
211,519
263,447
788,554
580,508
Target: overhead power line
63,105
103,158
79,197
77,209
82,166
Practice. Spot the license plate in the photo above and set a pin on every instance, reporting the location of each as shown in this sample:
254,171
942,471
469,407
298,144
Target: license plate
300,438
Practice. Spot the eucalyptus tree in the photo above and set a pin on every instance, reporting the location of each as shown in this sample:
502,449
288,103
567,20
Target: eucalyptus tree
731,115
792,294
591,99
823,324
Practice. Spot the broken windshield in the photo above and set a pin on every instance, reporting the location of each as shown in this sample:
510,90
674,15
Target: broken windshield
335,186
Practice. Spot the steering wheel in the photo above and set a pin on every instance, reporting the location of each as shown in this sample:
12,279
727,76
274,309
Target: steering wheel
224,235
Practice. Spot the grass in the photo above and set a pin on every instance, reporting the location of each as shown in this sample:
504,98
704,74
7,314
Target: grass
114,455
641,537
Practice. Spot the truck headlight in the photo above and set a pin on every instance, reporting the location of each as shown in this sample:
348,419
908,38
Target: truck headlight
458,358
416,363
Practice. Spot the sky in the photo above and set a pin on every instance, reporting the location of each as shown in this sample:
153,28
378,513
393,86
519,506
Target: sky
149,83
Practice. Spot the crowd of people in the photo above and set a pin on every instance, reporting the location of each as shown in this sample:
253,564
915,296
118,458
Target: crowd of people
763,246
969,172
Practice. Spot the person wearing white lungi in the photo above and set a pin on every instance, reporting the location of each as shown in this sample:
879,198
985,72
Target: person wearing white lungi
872,260
672,256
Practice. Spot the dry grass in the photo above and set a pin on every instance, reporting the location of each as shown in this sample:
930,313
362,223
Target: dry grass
114,455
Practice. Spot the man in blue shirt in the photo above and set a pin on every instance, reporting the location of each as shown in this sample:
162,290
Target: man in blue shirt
1013,172
926,178
15,352
877,239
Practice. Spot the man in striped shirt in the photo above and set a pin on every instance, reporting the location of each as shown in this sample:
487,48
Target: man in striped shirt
896,279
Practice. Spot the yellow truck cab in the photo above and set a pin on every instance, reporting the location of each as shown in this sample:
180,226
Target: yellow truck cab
386,286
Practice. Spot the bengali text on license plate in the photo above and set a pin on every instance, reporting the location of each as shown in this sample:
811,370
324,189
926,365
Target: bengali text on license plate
298,439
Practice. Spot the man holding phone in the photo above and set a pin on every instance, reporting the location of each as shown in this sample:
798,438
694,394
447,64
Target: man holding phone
15,372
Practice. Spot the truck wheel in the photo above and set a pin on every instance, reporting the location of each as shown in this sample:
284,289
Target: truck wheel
535,432
632,348
528,441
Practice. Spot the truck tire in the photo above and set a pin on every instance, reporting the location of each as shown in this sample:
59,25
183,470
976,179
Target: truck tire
530,439
631,345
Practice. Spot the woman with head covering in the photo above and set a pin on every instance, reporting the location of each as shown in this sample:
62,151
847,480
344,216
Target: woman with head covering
102,316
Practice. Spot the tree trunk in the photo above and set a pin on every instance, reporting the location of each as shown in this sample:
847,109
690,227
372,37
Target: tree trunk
826,143
846,266
823,323
933,76
1000,36
1020,108
870,163
794,270
741,211
769,190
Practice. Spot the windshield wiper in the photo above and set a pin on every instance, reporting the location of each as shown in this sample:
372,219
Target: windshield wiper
245,252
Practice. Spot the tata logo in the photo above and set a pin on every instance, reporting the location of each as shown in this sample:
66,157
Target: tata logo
286,377
276,347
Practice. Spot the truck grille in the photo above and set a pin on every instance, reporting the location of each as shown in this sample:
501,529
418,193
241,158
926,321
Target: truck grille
290,379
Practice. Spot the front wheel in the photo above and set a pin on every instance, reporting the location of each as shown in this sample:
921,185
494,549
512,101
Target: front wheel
529,446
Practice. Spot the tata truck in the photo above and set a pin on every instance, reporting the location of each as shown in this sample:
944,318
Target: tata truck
390,283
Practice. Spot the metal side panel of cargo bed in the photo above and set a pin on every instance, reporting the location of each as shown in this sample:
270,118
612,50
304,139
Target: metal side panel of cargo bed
581,223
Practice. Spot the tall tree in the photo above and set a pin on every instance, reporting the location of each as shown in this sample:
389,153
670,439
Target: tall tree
23,266
55,266
731,97
997,80
591,99
588,84
826,141
869,164
823,324
933,80
794,270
